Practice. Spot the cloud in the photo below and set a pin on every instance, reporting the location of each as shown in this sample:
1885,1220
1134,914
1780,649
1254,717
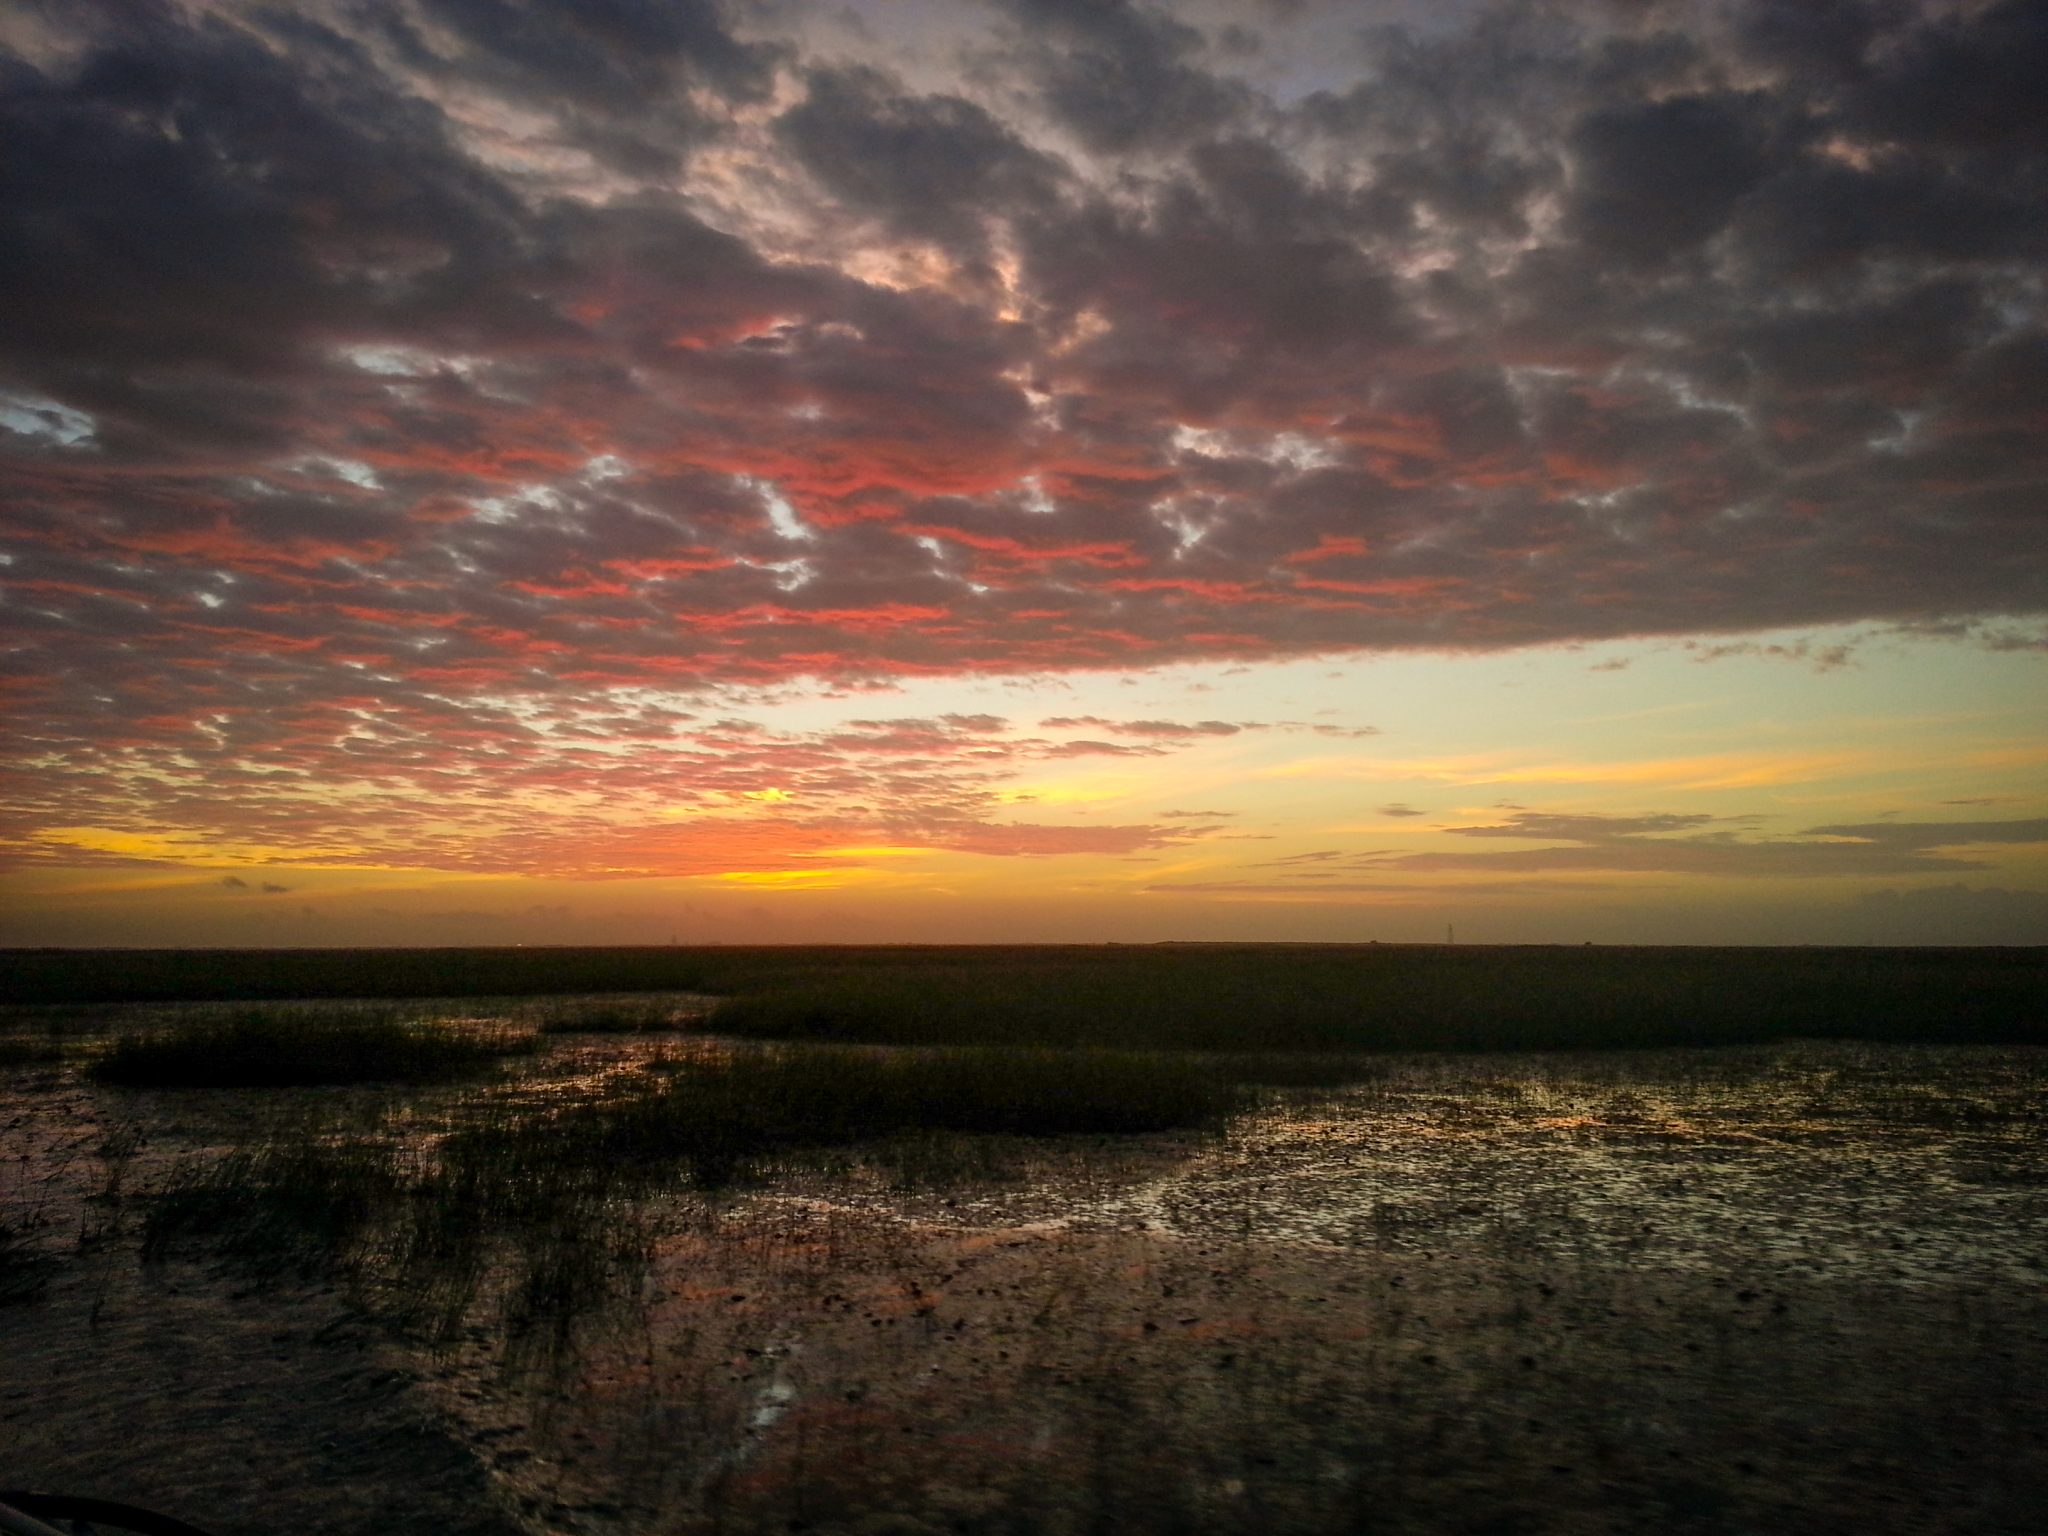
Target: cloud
1121,76
1592,827
386,390
1657,178
1160,729
1087,748
617,790
1699,844
1393,892
1591,844
924,167
1915,835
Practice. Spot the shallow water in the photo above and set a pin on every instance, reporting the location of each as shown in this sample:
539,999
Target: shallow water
1798,1287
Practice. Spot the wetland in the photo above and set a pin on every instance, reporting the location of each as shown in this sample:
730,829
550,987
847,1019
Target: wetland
1036,1241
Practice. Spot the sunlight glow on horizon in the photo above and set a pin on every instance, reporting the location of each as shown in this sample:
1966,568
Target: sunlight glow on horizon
1220,823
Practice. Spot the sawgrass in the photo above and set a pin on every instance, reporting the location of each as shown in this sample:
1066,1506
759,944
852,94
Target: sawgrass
1225,997
556,1192
300,1047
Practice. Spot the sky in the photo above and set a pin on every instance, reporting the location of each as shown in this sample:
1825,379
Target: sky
647,471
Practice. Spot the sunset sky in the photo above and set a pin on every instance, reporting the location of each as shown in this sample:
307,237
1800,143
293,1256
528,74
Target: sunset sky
494,471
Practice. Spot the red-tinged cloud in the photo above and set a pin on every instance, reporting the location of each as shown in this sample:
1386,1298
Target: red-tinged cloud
443,368
642,791
1167,729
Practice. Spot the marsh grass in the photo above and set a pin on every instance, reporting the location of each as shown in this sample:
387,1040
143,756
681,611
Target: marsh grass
24,1268
29,1051
282,1047
624,1014
1339,1000
1220,997
715,1115
301,1203
1297,1069
552,1197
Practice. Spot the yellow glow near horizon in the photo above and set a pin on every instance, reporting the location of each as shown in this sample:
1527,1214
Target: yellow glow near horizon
790,879
191,849
1292,825
1718,770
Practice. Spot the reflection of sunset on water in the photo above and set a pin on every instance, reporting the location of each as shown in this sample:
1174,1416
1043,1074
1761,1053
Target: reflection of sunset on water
1206,1322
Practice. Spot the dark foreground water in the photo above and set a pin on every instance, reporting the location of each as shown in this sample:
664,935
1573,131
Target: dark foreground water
1790,1288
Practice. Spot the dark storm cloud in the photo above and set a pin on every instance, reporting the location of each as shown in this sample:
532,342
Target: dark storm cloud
1657,178
1827,39
928,167
619,76
1120,76
188,197
385,388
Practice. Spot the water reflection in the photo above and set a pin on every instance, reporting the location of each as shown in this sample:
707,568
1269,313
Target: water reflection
1619,1279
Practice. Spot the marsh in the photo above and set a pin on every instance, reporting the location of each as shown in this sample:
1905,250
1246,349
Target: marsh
656,1277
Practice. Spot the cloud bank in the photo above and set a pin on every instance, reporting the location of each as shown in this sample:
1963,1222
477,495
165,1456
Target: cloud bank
388,390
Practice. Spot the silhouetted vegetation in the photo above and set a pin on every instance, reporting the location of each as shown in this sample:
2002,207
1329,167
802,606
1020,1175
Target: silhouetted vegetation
1377,998
28,1050
716,1115
298,1198
280,1048
556,1186
1288,998
258,975
24,1269
874,1093
615,1015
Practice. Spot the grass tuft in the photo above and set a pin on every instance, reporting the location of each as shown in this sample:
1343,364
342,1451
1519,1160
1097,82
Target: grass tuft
1330,1000
24,1269
716,1114
302,1202
279,1048
556,1197
621,1015
29,1051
